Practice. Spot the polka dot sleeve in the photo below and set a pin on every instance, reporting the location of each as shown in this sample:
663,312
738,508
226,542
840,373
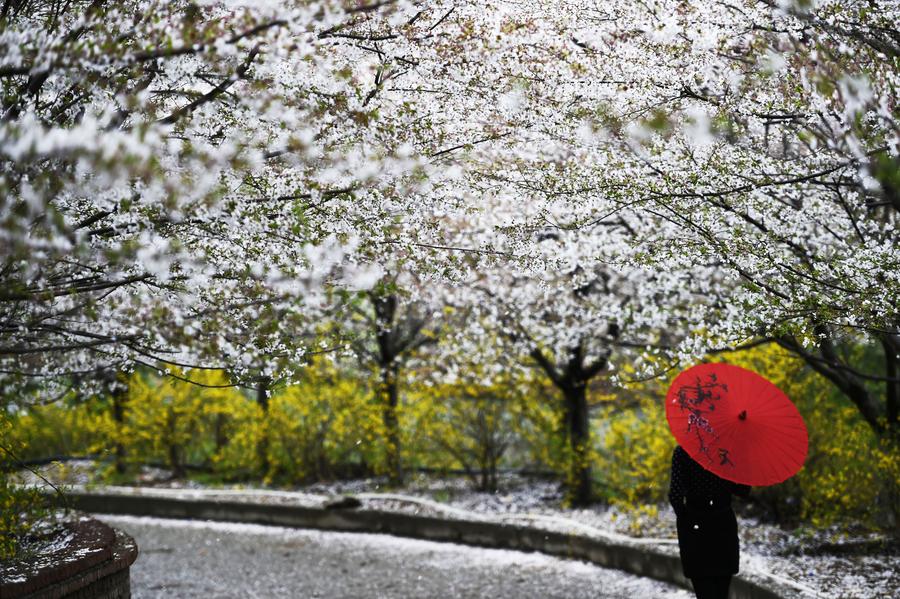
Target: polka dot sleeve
692,485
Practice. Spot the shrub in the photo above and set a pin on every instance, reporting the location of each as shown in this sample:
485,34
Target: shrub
20,507
462,425
63,428
850,478
636,454
236,425
328,425
538,418
168,420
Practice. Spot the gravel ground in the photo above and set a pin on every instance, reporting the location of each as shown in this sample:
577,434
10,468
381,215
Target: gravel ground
217,560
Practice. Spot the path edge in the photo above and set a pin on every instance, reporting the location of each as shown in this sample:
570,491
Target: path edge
634,559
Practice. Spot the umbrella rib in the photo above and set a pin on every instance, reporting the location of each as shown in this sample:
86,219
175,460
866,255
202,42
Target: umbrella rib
785,467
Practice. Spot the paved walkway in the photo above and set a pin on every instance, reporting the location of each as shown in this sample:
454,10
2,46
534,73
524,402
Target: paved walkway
218,560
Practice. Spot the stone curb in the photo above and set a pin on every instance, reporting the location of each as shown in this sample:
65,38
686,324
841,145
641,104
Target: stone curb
634,559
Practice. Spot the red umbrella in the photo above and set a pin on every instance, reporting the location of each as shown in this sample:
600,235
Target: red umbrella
736,424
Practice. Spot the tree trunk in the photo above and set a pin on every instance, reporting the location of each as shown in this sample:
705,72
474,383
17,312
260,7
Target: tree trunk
892,391
572,381
828,364
176,461
389,397
579,480
119,397
389,350
262,445
221,437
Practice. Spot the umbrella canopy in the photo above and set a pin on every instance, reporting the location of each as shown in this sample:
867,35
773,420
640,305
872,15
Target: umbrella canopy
736,424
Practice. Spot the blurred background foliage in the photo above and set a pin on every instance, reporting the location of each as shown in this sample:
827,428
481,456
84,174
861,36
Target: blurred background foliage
20,506
329,425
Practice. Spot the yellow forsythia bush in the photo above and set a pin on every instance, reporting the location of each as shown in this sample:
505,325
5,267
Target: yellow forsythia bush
635,455
634,445
539,421
426,423
324,426
850,477
62,428
20,507
167,420
461,425
328,424
233,426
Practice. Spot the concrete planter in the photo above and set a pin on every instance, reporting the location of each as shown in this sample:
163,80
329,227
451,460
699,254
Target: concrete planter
93,564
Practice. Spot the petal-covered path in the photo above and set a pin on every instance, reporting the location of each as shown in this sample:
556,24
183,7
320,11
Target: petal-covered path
218,560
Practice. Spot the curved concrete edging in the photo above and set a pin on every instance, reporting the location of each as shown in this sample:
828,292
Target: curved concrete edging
640,560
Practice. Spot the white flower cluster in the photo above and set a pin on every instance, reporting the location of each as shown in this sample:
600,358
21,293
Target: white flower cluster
205,183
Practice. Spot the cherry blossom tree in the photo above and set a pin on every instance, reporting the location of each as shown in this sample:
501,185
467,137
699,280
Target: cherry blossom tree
776,152
166,168
396,329
755,141
183,182
582,319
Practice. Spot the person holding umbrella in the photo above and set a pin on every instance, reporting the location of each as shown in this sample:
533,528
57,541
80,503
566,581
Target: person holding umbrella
707,527
735,430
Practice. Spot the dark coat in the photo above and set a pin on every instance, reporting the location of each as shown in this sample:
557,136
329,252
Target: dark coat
707,527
